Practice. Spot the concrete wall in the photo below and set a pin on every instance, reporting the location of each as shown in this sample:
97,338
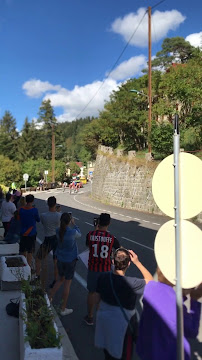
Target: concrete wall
125,183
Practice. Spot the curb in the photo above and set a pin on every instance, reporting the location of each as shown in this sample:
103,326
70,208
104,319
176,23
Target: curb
68,350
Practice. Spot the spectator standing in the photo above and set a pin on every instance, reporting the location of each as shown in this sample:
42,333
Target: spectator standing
67,255
100,243
21,202
41,184
50,221
116,320
28,217
158,325
17,195
13,234
13,186
7,212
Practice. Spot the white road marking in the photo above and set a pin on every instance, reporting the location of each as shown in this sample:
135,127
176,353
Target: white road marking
81,281
114,213
75,217
147,247
89,223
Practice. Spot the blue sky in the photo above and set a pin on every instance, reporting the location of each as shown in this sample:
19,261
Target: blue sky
64,49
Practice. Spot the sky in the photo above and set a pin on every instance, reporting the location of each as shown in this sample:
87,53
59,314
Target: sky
64,50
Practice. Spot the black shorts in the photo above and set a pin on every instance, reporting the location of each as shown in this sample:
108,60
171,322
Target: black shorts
66,269
92,278
27,244
49,244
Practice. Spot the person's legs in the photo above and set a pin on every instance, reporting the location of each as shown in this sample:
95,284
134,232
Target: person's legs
6,226
92,278
43,251
55,269
91,304
30,247
65,295
127,346
22,248
56,287
29,258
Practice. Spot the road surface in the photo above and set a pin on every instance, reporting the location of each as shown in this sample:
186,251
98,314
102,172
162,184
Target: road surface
134,230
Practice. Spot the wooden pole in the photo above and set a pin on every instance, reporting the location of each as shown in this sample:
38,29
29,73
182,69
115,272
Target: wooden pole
53,154
149,80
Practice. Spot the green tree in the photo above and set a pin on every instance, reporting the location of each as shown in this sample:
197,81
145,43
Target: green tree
30,142
175,49
74,168
35,169
162,139
10,171
48,120
8,136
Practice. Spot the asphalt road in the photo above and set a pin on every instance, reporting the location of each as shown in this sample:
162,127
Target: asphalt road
133,229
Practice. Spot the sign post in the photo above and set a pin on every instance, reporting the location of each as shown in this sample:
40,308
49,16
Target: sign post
46,173
25,178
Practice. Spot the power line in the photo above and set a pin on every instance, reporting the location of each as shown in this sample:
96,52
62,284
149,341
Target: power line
113,67
116,62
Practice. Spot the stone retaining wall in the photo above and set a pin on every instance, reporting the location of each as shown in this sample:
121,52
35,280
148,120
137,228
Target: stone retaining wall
125,183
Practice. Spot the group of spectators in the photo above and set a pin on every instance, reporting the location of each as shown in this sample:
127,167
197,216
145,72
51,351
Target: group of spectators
110,292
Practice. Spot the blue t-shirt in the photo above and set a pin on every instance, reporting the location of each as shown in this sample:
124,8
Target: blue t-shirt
28,218
67,250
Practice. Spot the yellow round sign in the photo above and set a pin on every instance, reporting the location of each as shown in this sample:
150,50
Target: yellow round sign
191,250
190,189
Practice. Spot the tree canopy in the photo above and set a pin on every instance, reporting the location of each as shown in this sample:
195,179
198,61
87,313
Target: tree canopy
123,123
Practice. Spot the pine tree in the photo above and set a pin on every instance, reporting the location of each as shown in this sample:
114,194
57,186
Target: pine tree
8,136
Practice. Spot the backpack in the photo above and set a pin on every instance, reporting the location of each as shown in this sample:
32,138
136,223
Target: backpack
12,308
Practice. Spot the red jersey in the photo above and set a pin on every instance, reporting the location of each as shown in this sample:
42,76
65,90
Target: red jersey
100,245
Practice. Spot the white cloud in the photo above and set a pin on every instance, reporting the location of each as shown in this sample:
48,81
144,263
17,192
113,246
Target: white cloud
129,68
73,102
38,125
88,99
90,96
35,88
195,39
162,23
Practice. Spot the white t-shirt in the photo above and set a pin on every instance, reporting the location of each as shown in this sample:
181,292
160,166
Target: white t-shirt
50,221
7,210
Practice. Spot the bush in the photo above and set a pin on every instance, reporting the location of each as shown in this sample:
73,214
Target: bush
39,319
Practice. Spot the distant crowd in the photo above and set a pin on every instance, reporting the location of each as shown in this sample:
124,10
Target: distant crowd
112,296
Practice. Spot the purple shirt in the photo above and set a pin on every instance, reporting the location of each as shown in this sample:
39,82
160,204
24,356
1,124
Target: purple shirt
158,325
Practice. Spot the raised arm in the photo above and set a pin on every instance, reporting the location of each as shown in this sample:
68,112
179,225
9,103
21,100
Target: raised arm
146,274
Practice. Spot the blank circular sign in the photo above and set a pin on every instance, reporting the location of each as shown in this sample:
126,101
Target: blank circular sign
191,250
190,188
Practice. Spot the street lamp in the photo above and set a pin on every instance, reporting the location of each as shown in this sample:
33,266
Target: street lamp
139,93
149,115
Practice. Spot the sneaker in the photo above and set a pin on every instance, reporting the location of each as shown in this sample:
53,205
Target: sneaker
88,320
52,284
66,312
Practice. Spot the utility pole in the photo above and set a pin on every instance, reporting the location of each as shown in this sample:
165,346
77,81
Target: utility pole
53,154
149,80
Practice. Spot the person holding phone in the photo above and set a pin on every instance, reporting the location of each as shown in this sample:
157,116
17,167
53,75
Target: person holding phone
67,255
116,321
50,221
